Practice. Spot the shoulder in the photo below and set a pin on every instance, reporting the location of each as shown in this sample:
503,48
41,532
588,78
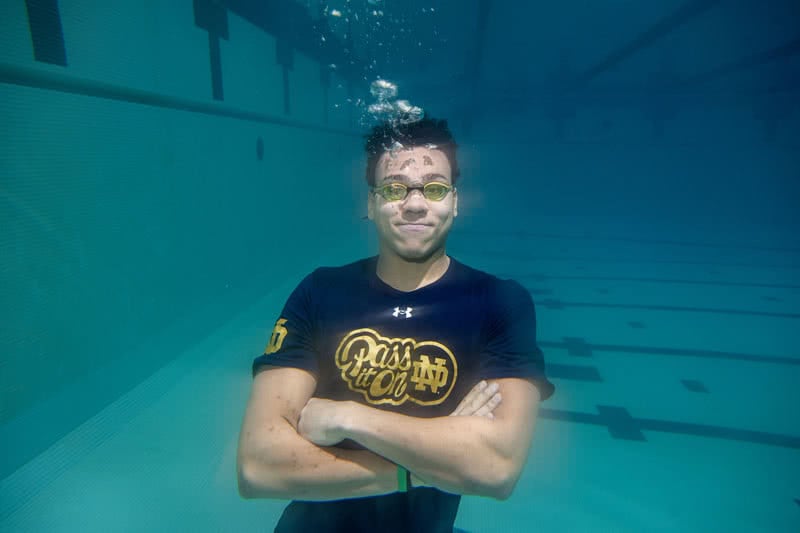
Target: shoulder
496,289
465,274
324,277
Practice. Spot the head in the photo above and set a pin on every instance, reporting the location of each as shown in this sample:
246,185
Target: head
413,227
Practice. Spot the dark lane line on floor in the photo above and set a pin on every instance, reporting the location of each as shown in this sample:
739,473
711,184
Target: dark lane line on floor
578,347
552,303
621,425
678,281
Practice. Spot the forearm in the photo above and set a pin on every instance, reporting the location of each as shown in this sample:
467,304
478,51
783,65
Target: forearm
454,453
290,467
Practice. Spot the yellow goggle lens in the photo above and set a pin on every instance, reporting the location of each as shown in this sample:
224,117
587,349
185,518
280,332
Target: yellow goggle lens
397,191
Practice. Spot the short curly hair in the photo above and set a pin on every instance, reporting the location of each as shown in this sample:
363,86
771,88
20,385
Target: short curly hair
420,133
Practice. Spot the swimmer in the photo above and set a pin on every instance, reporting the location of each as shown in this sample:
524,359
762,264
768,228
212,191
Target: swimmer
395,384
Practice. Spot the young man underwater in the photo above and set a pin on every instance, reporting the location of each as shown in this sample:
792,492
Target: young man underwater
395,384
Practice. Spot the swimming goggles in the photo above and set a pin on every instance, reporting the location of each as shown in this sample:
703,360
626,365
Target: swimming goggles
393,192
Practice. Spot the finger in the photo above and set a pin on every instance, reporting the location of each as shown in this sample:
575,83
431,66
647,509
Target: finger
482,397
479,399
469,398
489,406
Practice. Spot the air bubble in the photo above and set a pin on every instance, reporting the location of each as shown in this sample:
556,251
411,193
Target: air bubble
394,148
395,113
381,108
383,89
407,113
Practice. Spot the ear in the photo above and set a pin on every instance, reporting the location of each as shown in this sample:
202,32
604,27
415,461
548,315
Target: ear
455,203
370,206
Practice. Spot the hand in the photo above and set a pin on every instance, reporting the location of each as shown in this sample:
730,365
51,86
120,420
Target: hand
480,401
320,421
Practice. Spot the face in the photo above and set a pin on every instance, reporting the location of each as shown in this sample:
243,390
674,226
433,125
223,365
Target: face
413,228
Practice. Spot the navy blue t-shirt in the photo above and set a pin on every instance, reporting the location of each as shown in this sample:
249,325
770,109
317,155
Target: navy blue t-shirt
417,353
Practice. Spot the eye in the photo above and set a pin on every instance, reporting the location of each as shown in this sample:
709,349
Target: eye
394,191
436,191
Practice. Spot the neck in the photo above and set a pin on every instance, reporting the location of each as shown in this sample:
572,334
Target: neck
405,275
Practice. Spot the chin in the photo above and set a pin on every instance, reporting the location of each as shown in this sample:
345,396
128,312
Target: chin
416,259
416,256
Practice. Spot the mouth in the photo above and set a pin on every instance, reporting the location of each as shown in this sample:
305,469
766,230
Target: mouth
413,227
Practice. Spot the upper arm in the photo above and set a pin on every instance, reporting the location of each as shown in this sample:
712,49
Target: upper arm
277,397
515,419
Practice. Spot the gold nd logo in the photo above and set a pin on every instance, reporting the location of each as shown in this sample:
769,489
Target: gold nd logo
278,334
395,370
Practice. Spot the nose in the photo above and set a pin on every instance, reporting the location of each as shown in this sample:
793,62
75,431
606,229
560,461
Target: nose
415,201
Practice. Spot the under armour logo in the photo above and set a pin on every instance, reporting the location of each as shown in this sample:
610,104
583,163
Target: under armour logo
398,312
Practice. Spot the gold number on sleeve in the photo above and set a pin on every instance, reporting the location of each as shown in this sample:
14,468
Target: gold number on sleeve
278,334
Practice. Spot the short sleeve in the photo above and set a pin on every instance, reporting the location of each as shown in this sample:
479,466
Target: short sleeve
291,342
511,348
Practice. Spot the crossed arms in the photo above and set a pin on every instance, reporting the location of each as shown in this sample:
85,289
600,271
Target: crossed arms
284,446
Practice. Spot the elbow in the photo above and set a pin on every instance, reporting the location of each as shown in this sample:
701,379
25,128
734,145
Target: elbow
245,487
264,481
499,485
508,482
503,489
244,475
252,485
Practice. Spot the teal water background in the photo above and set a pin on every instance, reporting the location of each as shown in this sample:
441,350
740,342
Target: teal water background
170,170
